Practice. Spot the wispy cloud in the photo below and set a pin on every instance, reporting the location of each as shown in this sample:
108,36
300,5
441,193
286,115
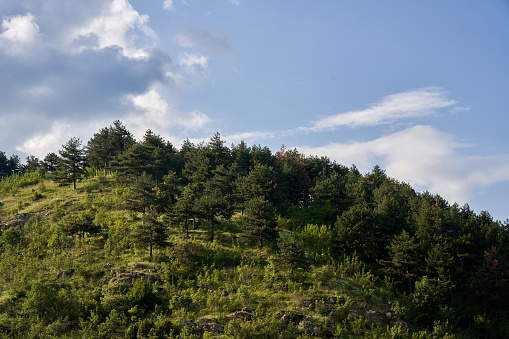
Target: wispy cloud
168,4
412,104
206,41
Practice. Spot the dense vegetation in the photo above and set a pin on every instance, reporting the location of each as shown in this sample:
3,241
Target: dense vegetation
136,239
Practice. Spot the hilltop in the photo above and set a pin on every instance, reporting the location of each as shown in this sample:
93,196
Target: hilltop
146,241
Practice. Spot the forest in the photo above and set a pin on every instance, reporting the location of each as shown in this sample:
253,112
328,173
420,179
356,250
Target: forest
125,238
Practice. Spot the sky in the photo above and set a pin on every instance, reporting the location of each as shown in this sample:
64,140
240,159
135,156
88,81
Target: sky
420,88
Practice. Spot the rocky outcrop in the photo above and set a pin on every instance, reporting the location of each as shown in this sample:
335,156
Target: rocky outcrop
242,316
17,220
123,275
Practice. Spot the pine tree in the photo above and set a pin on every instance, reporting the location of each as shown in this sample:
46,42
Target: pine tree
292,256
184,208
260,222
151,233
71,166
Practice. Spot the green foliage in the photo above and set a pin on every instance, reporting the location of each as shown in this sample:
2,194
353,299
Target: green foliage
11,237
292,257
13,183
359,255
426,300
71,166
260,222
80,224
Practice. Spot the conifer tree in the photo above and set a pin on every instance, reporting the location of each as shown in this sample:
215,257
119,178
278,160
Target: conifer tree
151,233
71,166
260,222
292,257
184,208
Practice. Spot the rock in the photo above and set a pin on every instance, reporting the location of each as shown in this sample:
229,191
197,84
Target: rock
315,329
242,316
188,323
290,317
202,321
137,265
212,328
247,309
375,317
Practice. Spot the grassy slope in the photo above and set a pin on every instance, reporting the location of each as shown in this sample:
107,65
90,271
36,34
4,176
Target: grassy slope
94,296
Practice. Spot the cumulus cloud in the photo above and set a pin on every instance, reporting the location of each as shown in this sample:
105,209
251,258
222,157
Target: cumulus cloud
411,104
423,157
19,34
43,143
151,110
67,69
119,25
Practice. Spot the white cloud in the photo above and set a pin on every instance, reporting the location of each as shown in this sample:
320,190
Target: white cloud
44,143
195,64
235,2
20,33
152,111
423,157
412,104
119,25
168,4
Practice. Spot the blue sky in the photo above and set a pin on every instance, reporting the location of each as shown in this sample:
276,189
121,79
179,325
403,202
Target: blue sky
420,88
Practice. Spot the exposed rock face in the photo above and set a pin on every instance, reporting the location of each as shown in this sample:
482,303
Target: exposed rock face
122,275
18,220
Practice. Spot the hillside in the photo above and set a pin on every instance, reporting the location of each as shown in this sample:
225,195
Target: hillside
211,241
